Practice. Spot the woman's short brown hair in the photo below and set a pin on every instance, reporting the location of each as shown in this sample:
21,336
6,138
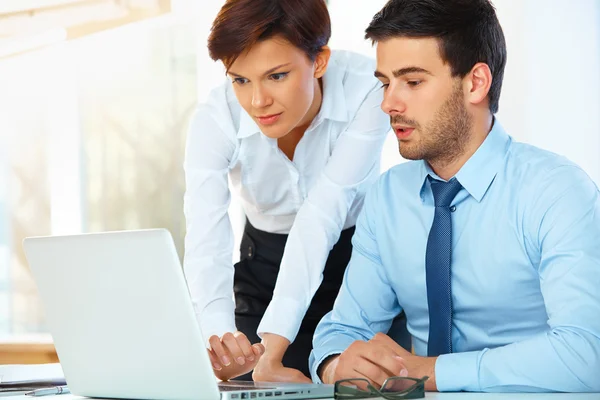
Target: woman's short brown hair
242,23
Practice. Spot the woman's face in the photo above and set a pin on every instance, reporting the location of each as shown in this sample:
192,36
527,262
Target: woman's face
277,84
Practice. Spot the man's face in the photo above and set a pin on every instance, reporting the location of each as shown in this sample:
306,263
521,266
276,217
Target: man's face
425,103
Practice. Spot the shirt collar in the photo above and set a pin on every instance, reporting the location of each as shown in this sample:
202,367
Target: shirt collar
248,126
333,106
479,171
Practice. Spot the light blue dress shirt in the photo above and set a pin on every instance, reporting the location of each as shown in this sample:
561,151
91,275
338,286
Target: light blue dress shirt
525,271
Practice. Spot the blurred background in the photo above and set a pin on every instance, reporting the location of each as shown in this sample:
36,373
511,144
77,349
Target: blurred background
96,95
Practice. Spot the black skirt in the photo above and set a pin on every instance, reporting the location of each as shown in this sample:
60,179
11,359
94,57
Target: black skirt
254,281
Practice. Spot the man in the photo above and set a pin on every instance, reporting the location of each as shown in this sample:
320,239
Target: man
491,247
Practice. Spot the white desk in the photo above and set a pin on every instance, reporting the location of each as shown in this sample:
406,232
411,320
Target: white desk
432,396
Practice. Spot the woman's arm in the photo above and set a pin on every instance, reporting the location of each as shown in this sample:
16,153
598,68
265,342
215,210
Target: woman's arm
209,243
209,239
317,228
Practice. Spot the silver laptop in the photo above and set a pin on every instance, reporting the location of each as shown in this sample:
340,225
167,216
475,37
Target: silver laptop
123,323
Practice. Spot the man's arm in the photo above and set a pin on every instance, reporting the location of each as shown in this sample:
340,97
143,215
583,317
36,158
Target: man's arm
563,224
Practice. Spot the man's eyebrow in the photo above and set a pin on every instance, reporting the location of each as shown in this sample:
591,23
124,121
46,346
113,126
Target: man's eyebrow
266,73
409,70
380,75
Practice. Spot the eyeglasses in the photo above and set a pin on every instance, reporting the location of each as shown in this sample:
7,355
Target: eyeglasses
394,388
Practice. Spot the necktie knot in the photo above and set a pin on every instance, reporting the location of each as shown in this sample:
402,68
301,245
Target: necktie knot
444,192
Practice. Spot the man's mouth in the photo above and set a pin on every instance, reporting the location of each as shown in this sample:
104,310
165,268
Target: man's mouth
403,132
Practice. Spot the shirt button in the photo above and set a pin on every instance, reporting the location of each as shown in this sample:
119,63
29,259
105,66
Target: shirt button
250,252
453,208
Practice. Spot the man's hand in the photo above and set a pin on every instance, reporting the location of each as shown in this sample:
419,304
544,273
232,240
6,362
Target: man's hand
270,368
233,355
377,360
373,360
417,367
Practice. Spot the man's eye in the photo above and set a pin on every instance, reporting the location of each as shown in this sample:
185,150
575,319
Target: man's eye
385,86
414,83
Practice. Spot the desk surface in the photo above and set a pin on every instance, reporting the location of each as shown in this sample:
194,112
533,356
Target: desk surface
27,349
431,396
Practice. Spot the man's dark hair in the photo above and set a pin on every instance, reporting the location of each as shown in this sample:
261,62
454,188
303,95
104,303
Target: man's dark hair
468,32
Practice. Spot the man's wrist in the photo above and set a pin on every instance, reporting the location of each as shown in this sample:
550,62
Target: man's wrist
327,368
430,384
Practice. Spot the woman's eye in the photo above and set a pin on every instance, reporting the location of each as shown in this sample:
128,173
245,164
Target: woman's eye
240,81
279,76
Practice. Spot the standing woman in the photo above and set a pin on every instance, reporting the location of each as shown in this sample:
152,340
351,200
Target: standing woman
299,131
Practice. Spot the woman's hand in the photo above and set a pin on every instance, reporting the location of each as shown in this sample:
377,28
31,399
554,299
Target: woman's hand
233,355
270,367
272,370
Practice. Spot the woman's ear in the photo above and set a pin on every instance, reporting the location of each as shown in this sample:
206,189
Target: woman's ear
321,61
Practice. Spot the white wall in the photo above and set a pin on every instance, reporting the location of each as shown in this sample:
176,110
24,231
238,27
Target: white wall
551,96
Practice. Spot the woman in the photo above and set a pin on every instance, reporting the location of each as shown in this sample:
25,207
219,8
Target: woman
299,132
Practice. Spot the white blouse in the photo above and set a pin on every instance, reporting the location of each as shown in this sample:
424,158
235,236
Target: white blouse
312,198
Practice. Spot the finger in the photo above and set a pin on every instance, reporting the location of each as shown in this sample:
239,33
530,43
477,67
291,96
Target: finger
371,371
219,349
245,345
396,366
389,342
214,360
385,358
232,345
258,349
353,372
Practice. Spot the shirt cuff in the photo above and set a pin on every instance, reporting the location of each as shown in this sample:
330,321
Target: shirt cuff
458,372
334,344
283,317
216,319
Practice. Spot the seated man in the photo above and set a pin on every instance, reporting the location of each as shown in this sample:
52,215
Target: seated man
491,247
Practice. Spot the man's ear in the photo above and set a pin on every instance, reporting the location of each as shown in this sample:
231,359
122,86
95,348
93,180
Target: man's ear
322,61
478,81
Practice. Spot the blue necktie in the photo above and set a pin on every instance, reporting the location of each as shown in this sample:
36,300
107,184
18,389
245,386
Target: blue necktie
437,267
